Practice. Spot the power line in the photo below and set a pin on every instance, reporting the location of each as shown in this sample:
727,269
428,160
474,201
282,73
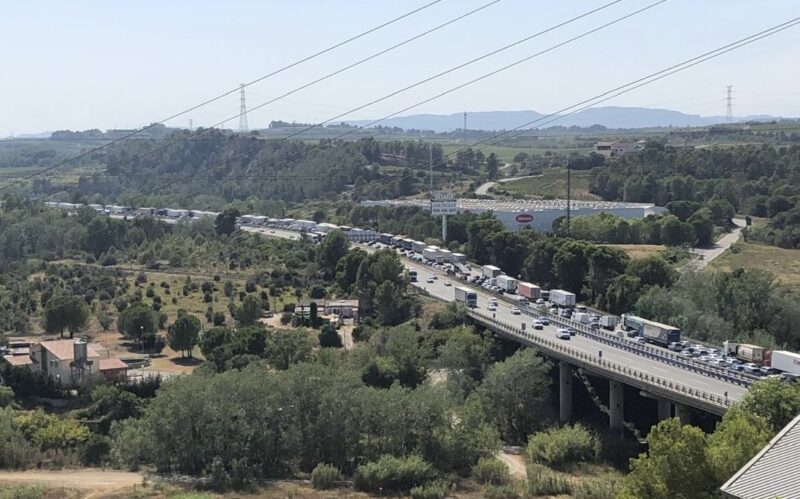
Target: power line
465,64
243,112
646,80
229,92
504,68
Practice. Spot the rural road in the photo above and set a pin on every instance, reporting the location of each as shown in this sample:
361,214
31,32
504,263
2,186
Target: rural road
705,255
96,480
483,189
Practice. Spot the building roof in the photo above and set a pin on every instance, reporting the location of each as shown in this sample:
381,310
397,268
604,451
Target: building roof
19,360
63,349
112,364
773,472
342,303
499,205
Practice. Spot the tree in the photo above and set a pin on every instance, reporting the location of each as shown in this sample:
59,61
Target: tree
65,312
182,335
313,314
138,322
703,227
333,247
675,466
773,400
225,223
515,395
288,347
249,311
329,337
492,165
739,437
347,268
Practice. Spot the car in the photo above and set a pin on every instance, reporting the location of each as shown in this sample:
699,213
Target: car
433,276
580,308
570,330
735,367
675,346
641,340
540,301
685,353
544,320
515,311
562,334
429,280
703,358
491,307
789,377
750,368
769,371
538,325
632,334
448,283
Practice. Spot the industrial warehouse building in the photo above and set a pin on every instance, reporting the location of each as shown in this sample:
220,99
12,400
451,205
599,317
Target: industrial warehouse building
538,215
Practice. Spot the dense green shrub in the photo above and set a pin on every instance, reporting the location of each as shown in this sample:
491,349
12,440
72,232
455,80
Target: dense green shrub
560,446
597,488
490,470
500,492
542,481
325,476
437,489
393,474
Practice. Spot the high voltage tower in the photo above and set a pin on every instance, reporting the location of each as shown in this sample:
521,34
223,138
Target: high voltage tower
729,100
243,128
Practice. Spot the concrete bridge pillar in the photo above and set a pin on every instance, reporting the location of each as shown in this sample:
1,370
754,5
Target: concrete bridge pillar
615,405
664,409
683,413
565,391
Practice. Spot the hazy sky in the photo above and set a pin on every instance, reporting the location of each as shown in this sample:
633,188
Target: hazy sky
104,64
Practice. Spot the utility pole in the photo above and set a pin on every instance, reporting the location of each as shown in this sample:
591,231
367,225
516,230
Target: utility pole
569,192
243,128
430,174
729,100
190,125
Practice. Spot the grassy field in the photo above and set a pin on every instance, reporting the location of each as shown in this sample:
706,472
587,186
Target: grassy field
551,183
507,153
638,251
784,263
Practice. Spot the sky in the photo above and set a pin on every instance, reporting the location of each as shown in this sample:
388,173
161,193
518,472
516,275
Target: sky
97,64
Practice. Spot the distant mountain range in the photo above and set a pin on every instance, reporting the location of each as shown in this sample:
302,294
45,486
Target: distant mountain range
609,117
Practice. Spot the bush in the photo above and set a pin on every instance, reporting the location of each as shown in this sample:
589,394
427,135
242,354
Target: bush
219,318
435,490
329,337
490,470
250,286
567,444
542,481
6,396
286,318
23,492
325,476
151,292
208,297
597,488
393,474
500,492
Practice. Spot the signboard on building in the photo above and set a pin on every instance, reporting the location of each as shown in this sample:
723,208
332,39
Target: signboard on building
443,203
524,218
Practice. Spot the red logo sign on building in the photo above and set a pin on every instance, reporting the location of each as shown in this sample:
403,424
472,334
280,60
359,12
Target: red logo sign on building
524,218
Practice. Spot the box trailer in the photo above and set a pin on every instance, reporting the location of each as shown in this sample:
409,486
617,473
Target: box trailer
608,322
582,317
562,298
509,284
458,258
491,271
430,254
788,362
467,297
660,334
418,246
528,290
445,256
750,353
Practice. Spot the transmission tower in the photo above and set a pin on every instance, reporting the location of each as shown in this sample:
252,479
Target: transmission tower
729,100
243,128
464,130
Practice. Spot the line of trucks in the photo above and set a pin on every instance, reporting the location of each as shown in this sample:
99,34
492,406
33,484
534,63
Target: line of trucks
781,360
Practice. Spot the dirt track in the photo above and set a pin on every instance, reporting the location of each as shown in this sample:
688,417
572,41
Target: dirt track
96,481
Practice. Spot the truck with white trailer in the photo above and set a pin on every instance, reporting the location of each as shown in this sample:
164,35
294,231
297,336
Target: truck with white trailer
530,291
418,246
491,271
562,298
582,317
750,353
509,284
608,322
458,258
466,296
430,253
788,362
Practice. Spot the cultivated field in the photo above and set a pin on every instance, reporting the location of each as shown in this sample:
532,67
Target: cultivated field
552,183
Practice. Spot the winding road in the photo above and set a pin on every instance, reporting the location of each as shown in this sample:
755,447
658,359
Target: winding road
703,256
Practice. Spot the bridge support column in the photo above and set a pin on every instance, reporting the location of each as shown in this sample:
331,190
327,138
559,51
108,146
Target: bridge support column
615,406
565,391
683,413
664,409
